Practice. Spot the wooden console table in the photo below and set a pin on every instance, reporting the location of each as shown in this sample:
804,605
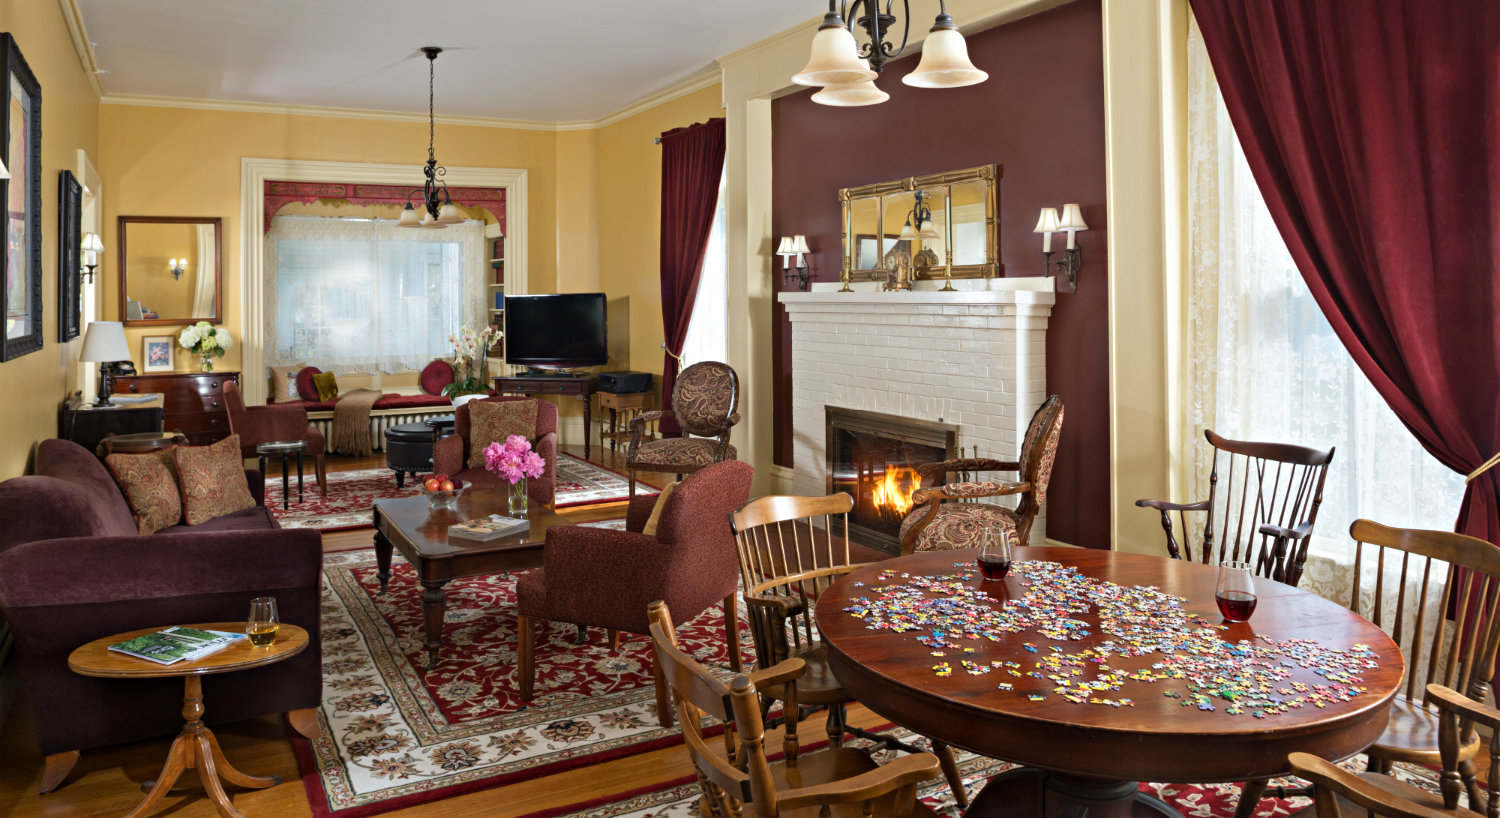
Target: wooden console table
194,401
582,388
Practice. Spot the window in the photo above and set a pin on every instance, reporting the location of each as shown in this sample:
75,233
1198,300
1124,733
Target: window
354,295
706,339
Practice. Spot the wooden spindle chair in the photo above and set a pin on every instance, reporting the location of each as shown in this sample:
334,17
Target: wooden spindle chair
1270,491
740,782
790,552
1338,792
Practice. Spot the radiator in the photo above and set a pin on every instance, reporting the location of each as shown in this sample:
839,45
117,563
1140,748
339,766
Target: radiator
380,420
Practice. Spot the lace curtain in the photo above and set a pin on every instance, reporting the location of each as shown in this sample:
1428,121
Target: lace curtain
354,295
1265,364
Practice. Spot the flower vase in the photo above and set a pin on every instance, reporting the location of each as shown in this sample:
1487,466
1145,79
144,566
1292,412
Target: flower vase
518,498
205,362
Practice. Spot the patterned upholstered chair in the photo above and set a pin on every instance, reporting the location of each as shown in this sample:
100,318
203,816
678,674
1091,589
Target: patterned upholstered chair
951,516
536,420
263,424
703,404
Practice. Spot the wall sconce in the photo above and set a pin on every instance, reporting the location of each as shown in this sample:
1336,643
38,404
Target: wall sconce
178,267
1071,222
921,215
91,247
793,246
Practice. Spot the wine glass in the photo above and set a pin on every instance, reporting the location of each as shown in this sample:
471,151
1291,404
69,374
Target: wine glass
263,621
1236,592
995,553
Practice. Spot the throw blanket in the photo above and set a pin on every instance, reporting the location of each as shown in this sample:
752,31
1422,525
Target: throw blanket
351,423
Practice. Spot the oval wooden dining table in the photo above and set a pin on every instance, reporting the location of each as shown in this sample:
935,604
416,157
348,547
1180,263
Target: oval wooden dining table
1086,759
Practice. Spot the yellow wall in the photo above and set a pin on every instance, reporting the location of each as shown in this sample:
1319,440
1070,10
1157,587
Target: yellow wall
70,123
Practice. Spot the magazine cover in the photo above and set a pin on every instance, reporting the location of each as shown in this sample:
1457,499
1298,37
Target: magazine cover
175,644
488,528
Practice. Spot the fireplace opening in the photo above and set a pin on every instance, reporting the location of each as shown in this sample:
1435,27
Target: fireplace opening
874,457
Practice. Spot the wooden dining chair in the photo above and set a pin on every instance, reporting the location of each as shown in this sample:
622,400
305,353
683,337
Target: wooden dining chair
1338,792
739,781
1265,509
790,551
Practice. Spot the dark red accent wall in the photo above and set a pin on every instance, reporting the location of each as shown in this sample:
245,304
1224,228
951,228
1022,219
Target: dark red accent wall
1040,117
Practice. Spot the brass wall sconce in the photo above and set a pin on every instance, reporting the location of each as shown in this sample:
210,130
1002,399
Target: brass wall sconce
794,246
1071,223
178,266
91,248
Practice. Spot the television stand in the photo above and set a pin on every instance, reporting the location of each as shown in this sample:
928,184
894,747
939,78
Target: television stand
552,373
581,386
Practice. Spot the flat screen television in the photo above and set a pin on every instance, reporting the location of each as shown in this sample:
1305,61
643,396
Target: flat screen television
556,331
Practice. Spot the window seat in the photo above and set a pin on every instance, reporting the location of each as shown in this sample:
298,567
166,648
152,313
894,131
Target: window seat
390,410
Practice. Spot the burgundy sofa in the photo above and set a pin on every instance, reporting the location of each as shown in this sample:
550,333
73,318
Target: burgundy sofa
73,569
451,454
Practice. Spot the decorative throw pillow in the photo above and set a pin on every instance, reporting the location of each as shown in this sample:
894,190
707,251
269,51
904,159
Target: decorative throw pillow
656,510
435,376
494,421
305,388
284,383
212,479
150,485
327,385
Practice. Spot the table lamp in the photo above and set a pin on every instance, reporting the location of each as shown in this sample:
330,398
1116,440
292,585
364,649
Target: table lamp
104,343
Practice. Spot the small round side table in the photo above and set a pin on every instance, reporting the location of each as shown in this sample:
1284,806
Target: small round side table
284,448
195,747
139,443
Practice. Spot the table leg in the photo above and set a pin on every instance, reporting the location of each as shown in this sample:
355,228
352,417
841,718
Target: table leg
286,486
614,429
588,407
299,476
382,557
1250,795
262,467
1026,791
434,604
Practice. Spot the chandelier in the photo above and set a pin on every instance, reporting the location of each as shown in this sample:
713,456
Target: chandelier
847,69
438,204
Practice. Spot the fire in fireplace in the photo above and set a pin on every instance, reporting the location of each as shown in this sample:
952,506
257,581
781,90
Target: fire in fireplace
874,457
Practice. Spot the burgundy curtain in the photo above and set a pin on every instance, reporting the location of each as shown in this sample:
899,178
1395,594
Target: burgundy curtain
1371,128
692,161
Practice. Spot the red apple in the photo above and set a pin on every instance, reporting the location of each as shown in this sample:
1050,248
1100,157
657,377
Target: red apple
438,476
432,484
446,485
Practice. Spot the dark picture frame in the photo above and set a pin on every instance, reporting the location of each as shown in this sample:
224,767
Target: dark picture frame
69,256
21,284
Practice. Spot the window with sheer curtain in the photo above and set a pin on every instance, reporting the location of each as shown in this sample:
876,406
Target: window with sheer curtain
357,295
1265,364
706,339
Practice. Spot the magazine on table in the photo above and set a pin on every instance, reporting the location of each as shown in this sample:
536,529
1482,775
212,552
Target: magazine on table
484,529
176,644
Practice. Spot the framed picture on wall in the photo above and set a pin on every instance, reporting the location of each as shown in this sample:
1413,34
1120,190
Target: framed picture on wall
69,256
21,296
157,352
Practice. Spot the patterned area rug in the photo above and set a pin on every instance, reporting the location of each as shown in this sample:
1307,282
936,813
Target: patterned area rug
350,493
395,734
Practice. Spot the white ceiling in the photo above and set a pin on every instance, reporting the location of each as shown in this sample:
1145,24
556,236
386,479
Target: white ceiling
543,60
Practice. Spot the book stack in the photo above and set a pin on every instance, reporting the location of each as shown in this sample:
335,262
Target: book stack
484,529
177,644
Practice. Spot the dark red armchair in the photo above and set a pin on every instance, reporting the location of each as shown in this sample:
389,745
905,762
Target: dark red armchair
263,424
605,578
450,455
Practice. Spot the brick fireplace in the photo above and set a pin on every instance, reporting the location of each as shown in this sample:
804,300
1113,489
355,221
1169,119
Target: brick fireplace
973,361
874,456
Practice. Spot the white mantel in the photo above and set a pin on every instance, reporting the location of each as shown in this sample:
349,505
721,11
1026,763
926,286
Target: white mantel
975,357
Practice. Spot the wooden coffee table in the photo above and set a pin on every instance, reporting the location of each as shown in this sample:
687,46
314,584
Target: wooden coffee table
407,525
195,746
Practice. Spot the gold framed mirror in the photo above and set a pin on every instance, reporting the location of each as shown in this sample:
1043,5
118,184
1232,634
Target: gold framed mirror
921,224
171,270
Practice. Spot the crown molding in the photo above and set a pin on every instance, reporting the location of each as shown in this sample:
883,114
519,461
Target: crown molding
710,76
188,103
80,36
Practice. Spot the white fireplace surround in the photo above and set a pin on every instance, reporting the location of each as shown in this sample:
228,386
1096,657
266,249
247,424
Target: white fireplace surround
976,358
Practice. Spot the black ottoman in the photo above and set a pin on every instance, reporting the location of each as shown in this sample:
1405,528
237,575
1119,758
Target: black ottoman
408,449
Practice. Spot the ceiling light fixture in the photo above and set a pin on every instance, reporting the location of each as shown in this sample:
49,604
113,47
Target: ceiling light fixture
847,69
436,201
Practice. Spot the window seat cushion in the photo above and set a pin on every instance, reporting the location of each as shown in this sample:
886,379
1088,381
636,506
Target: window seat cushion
385,402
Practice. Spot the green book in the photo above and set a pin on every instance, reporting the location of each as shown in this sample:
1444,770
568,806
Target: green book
176,644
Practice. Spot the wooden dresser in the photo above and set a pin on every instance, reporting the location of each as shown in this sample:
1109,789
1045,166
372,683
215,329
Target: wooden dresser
194,401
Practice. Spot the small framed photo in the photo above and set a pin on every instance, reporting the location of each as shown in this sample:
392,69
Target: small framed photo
157,352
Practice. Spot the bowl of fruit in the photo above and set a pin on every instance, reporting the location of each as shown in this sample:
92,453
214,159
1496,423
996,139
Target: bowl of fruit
442,491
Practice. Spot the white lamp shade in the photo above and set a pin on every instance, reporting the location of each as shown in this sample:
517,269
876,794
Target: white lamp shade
785,248
907,234
927,231
104,341
449,214
851,95
799,245
4,172
1072,218
945,62
409,218
1048,221
835,60
91,243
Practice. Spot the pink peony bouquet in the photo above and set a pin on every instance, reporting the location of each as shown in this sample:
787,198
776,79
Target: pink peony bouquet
513,460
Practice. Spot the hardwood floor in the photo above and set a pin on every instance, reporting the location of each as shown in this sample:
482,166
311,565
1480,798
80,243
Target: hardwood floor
107,781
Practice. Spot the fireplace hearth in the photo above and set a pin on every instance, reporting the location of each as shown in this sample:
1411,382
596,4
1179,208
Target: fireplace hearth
874,457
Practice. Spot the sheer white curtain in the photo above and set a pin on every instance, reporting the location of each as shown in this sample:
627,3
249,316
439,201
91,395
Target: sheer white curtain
706,339
351,295
1265,365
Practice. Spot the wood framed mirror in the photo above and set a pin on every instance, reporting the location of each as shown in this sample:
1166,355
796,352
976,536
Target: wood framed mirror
962,207
171,270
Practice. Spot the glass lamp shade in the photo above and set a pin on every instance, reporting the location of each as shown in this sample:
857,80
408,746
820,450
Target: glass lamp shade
91,243
927,231
104,341
449,214
851,95
409,218
430,223
835,60
785,248
1072,218
799,244
1048,221
907,234
945,62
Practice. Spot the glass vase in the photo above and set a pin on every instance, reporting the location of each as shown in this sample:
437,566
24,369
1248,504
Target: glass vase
205,362
518,498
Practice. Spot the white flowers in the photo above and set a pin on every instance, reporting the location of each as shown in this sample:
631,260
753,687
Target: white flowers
204,338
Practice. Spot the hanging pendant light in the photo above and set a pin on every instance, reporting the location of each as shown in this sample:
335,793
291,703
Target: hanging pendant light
851,94
438,210
945,59
834,60
846,68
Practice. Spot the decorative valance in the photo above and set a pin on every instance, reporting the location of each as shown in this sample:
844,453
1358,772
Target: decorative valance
280,194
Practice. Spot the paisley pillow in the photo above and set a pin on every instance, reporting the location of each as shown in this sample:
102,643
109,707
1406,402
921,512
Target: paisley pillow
150,485
494,421
212,480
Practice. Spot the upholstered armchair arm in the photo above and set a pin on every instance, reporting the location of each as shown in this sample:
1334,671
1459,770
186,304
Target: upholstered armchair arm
257,483
965,491
449,455
638,425
544,489
967,464
1166,507
899,776
732,420
641,506
604,578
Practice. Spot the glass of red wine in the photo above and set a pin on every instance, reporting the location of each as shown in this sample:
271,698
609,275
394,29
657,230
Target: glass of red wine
1236,593
995,553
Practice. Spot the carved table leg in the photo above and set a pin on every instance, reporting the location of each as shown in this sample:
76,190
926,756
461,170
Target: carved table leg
434,603
382,558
